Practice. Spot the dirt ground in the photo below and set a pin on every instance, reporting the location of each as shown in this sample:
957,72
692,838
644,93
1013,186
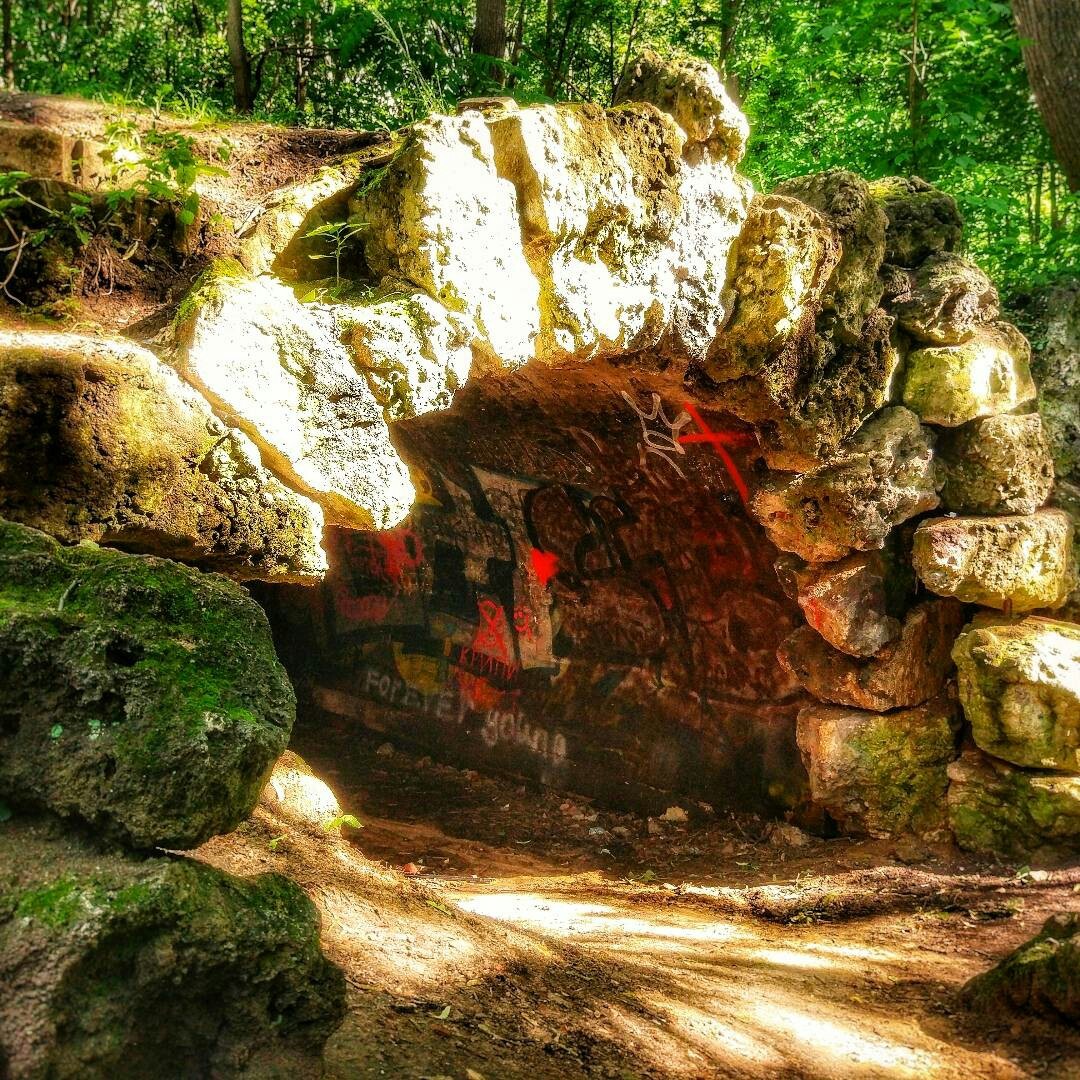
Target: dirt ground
488,929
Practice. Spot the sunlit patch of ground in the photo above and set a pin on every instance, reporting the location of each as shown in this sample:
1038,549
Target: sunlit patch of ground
531,972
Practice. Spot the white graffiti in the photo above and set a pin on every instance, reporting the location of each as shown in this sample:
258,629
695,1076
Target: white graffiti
663,438
509,727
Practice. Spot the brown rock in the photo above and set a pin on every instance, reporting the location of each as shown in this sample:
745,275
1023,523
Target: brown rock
845,602
922,220
905,672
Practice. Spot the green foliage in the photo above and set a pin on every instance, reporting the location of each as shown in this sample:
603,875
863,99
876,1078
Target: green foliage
342,819
338,234
931,87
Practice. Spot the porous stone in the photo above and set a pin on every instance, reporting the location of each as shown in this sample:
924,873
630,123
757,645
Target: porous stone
996,808
996,465
905,672
988,374
1042,976
279,370
1018,562
949,300
845,201
140,697
880,774
1055,314
1019,683
101,441
441,217
846,602
923,221
296,794
120,967
692,93
883,475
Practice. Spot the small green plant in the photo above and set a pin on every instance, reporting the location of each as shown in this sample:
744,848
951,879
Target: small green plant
342,819
276,842
68,222
338,233
166,164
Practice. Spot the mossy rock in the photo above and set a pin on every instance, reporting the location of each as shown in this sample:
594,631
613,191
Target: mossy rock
1042,976
140,697
119,967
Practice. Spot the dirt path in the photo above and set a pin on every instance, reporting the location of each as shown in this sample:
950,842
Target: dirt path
523,948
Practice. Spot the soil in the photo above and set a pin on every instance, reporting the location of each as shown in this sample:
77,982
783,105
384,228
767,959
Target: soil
490,929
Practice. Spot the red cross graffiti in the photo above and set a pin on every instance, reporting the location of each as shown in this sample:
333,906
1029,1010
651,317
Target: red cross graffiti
720,440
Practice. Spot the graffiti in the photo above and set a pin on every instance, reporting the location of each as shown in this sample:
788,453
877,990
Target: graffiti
663,439
545,565
512,728
720,441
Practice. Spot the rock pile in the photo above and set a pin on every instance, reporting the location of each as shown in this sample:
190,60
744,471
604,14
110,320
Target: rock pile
142,705
903,466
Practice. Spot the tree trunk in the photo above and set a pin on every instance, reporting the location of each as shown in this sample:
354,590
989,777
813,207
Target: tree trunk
239,60
489,31
1050,31
8,47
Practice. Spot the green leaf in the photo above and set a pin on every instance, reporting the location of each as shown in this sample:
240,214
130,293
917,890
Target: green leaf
56,731
342,819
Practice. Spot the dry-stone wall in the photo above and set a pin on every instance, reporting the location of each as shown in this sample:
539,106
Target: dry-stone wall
669,477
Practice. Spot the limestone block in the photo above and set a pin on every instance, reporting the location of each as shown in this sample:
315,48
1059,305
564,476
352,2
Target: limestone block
785,255
691,91
1019,685
882,476
279,370
124,967
297,795
1021,562
414,354
996,465
922,220
905,672
846,602
880,774
997,809
988,374
854,290
442,218
950,299
140,697
297,209
101,441
597,199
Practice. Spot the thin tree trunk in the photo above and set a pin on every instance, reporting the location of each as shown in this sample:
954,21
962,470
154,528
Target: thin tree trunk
489,33
1050,33
304,49
1036,235
239,60
8,47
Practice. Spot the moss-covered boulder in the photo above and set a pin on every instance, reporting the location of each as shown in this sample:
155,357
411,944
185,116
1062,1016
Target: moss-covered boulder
880,774
998,809
1042,976
996,465
1014,562
987,374
101,441
124,968
1020,687
139,696
922,220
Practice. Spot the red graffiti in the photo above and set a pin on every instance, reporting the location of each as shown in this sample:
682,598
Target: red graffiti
523,623
401,551
545,565
489,635
361,609
721,440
